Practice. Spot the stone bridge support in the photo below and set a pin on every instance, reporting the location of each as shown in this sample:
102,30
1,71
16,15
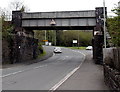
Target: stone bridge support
25,47
98,36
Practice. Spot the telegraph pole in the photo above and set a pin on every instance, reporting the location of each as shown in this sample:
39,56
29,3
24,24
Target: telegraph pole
55,36
78,39
104,23
45,37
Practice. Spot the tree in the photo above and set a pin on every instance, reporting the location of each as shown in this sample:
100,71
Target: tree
18,5
39,34
114,27
67,37
5,14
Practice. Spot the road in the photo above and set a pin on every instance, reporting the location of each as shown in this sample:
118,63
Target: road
46,75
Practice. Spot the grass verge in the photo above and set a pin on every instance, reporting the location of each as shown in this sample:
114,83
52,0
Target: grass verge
80,48
41,55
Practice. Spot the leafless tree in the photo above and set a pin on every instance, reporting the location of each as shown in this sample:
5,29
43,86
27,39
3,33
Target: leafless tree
16,5
5,14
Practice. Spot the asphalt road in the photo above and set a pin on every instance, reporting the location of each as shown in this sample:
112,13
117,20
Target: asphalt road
46,75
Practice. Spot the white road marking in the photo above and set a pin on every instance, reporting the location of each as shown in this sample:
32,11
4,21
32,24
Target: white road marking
21,71
56,86
12,73
67,56
53,54
63,80
40,66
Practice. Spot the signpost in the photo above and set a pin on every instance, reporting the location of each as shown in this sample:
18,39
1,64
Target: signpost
46,42
75,42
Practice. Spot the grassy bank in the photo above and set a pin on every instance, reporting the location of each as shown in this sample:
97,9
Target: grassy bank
42,54
80,48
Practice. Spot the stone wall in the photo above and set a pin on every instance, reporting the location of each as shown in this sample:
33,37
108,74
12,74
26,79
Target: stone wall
22,49
112,68
5,51
112,78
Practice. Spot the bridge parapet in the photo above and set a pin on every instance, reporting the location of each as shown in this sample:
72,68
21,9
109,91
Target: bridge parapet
62,14
62,19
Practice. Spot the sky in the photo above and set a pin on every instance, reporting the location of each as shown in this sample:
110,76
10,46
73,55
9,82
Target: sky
63,5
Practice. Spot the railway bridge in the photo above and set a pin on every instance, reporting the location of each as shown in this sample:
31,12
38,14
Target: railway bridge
64,20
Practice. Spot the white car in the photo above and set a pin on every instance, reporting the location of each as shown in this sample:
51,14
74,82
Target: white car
89,48
57,50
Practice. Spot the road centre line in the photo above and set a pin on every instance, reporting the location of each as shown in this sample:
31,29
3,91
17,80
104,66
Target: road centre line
40,66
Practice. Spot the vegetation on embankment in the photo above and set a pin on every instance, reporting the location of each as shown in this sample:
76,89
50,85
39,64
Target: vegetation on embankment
65,37
113,25
42,54
41,51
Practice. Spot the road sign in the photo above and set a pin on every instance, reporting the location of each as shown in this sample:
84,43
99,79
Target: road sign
52,22
45,40
74,41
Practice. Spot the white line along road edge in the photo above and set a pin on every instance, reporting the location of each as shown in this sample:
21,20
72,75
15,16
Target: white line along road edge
55,87
22,71
2,76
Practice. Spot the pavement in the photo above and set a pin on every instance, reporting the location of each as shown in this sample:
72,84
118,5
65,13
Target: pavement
88,77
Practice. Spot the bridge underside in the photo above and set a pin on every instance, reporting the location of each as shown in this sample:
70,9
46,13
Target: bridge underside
61,28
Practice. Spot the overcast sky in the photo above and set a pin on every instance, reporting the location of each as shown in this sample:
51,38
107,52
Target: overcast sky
63,5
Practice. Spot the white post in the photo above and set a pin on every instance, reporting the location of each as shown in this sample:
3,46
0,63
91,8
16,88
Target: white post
104,23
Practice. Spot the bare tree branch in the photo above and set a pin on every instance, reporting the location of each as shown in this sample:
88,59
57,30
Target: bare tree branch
16,5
